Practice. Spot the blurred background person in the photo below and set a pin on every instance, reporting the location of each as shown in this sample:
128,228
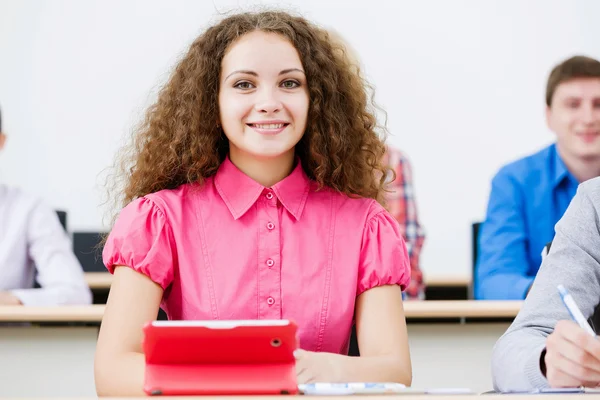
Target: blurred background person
35,247
400,198
530,195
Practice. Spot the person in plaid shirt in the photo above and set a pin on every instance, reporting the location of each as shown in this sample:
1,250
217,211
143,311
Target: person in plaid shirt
400,198
402,205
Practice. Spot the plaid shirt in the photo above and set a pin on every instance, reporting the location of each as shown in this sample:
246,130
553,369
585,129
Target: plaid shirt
402,206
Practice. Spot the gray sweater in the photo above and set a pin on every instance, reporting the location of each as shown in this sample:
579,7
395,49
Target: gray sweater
574,261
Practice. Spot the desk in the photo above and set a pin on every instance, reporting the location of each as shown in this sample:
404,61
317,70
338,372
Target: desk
98,280
92,313
413,310
444,354
102,280
447,280
361,397
376,397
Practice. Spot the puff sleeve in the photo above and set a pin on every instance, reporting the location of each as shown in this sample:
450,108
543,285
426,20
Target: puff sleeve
142,239
384,258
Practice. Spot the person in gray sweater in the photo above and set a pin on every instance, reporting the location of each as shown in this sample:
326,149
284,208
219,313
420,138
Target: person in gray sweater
543,347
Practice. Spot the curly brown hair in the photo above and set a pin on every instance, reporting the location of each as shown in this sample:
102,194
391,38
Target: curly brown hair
180,142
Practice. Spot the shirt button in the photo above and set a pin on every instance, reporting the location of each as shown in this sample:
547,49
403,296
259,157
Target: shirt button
269,195
270,263
270,226
270,301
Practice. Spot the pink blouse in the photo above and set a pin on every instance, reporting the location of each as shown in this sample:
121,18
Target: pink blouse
233,249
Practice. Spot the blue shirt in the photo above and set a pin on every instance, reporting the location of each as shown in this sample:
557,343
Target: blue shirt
528,198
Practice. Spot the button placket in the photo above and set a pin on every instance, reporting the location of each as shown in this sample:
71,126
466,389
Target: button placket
269,256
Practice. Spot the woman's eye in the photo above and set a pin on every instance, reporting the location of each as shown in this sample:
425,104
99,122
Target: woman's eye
243,85
290,84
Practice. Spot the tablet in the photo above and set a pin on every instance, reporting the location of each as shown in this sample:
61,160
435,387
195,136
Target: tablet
220,357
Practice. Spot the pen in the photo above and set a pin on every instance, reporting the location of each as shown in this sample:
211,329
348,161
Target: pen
575,312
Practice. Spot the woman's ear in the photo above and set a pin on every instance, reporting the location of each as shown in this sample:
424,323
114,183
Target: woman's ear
2,140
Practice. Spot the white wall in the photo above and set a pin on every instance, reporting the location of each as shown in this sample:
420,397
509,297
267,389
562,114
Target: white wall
462,82
56,362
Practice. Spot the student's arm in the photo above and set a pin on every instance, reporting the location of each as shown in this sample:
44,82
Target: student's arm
502,262
119,362
58,270
379,314
382,339
571,358
143,240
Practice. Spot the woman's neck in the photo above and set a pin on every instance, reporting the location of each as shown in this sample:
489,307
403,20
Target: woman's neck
265,170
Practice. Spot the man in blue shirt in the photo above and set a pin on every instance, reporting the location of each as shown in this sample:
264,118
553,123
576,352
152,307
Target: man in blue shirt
530,195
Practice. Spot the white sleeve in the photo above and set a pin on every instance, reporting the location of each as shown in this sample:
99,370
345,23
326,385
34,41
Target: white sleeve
58,270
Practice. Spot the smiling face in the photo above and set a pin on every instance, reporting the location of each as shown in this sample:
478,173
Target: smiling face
574,115
263,97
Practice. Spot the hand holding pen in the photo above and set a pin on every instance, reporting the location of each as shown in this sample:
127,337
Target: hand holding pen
572,356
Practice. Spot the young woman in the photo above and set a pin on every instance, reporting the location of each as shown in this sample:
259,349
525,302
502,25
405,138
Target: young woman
252,193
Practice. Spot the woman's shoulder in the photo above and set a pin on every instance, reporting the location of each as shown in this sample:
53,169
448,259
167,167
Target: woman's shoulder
167,198
173,204
351,206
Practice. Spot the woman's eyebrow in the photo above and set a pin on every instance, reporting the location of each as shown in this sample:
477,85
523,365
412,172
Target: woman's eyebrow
242,71
253,73
285,71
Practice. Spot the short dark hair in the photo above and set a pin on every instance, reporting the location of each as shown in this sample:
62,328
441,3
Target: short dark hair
571,68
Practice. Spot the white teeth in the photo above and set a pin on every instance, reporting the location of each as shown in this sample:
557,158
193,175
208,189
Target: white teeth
268,126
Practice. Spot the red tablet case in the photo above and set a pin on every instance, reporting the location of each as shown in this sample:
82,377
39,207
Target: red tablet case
195,358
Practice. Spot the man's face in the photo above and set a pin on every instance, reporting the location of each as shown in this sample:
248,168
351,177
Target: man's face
574,115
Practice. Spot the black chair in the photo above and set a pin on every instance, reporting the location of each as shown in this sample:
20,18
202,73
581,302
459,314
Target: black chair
62,217
474,254
353,348
88,251
547,249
